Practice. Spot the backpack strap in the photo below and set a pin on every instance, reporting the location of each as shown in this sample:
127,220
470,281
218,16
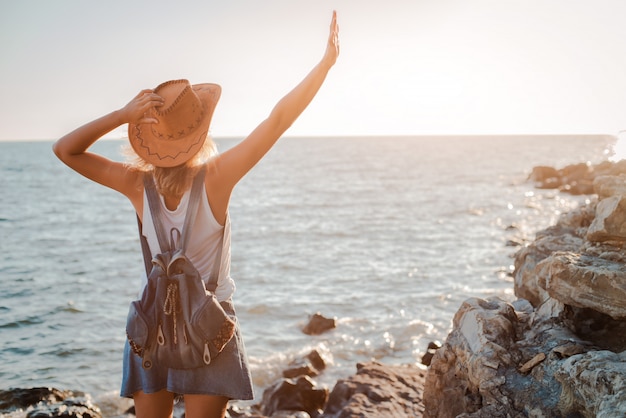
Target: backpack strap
145,248
155,211
217,264
192,208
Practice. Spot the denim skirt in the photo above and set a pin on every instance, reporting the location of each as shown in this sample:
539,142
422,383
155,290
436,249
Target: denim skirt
228,374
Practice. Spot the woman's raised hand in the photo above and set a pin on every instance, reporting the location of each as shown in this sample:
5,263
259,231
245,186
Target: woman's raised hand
332,48
138,109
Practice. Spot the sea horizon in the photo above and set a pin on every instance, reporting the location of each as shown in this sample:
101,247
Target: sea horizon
373,136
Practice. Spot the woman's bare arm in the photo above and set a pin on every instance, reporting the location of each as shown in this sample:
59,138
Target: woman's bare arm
234,163
72,148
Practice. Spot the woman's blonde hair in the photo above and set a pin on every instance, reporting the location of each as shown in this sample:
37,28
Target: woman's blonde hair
173,181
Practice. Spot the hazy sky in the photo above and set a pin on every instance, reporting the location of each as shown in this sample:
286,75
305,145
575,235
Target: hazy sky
406,66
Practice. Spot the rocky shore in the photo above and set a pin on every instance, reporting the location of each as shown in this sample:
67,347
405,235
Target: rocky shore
558,350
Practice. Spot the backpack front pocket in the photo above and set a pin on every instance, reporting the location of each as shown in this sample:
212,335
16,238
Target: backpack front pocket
137,328
215,325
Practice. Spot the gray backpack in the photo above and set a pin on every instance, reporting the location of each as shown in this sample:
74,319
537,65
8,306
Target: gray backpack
178,322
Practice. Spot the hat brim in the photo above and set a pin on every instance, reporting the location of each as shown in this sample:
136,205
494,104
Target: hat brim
171,152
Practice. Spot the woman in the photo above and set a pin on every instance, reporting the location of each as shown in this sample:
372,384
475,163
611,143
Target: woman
168,130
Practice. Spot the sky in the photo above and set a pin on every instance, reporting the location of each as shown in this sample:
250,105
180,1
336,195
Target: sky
407,67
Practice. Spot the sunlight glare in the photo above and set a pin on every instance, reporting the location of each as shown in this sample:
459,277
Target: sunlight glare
619,149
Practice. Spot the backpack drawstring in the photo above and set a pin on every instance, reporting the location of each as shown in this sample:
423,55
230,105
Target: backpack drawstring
170,306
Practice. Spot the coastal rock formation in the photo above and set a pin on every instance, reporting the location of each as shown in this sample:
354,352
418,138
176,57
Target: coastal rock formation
559,350
576,178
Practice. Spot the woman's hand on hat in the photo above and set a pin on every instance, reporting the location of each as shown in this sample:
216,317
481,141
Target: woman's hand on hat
332,48
137,111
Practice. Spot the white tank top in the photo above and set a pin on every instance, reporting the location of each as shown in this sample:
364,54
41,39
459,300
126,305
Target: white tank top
203,243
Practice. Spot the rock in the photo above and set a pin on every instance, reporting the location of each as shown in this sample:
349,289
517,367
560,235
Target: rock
578,187
433,346
576,173
465,375
248,411
22,398
290,414
471,375
576,179
598,330
319,324
514,242
311,366
543,173
67,409
42,402
593,382
378,391
316,360
549,183
569,349
608,168
585,281
301,368
610,220
299,395
525,274
606,186
530,364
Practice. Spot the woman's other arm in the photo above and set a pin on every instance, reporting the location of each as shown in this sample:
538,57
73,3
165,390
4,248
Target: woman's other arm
234,163
72,148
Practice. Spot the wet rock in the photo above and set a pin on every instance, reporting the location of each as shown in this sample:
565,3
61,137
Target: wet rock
319,324
299,395
249,411
67,409
378,391
300,368
433,346
22,398
311,366
42,402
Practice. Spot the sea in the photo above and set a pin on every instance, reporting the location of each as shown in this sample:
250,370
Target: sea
387,235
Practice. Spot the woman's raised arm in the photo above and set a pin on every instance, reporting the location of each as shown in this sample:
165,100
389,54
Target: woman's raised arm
234,163
72,148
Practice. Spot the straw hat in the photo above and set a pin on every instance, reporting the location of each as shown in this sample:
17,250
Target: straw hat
184,120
